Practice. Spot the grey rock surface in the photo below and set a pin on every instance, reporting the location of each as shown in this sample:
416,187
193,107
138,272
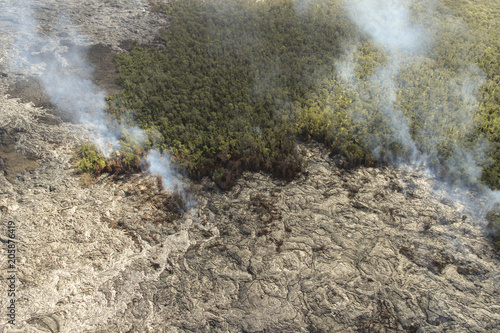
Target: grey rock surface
366,250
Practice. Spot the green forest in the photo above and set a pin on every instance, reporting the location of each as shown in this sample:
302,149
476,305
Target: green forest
232,85
237,83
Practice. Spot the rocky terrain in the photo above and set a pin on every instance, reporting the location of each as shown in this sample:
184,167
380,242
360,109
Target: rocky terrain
366,250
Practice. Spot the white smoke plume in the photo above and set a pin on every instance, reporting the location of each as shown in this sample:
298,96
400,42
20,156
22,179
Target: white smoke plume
160,165
389,25
80,97
67,79
63,72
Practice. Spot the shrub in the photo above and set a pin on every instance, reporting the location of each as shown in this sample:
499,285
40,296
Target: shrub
128,159
90,160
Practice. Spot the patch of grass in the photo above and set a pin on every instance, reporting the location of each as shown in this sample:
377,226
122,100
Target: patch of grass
86,179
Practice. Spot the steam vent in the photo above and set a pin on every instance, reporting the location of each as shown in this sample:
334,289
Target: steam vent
249,166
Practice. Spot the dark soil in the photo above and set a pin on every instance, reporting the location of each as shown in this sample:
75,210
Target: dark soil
13,162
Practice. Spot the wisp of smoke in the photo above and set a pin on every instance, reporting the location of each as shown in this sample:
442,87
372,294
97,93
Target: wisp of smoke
389,25
160,165
63,72
79,97
66,77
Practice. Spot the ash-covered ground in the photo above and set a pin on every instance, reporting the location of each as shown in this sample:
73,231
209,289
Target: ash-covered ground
366,250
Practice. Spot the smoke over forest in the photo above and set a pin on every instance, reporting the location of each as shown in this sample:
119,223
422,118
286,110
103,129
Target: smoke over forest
232,85
407,42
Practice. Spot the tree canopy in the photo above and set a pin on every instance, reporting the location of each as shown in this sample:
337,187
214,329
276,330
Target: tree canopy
236,83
